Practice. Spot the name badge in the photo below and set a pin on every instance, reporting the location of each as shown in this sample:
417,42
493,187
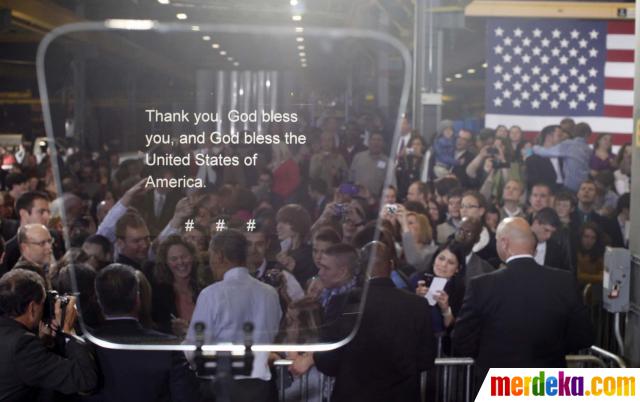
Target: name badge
382,164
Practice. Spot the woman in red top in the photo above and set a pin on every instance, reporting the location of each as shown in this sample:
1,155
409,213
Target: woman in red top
286,173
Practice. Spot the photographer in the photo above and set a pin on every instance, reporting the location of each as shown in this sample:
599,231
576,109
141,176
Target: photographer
27,365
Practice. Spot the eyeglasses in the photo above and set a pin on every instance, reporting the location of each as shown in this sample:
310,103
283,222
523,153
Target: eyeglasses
467,206
42,243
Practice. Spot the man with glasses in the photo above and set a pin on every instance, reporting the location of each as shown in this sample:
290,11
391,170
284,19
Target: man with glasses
31,207
36,247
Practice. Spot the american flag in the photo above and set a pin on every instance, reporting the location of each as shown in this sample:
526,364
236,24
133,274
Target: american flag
540,71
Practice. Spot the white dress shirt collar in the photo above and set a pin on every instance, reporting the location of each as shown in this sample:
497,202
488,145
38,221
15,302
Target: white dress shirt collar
517,256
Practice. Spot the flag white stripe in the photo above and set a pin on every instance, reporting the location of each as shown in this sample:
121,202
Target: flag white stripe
618,97
617,125
618,69
620,42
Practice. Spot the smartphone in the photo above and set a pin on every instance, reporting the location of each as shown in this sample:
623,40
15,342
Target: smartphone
428,279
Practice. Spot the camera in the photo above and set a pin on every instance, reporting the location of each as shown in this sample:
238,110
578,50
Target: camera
391,208
493,151
49,312
273,277
340,210
428,279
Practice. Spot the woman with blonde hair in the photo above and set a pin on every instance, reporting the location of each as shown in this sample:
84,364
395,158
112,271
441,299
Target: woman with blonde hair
417,238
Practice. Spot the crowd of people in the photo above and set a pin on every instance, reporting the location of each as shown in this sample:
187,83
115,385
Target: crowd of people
431,250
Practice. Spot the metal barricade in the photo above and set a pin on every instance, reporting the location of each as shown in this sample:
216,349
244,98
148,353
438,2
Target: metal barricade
451,380
307,388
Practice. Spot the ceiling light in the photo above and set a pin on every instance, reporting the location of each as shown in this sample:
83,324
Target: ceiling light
235,63
181,16
268,83
223,53
297,18
206,37
448,79
301,47
129,24
163,1
458,75
471,71
215,45
299,39
302,54
195,28
484,65
303,60
299,29
230,58
293,2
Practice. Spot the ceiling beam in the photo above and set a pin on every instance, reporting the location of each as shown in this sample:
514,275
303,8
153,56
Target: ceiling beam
550,9
20,37
42,15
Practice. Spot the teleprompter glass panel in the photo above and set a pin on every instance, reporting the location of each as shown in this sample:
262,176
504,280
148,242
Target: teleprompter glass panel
205,158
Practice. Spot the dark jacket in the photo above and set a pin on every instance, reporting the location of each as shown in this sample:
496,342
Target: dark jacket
525,315
476,266
540,170
557,256
138,375
28,367
392,346
146,208
304,269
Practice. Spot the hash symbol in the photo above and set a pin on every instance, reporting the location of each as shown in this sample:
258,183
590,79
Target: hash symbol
251,225
220,225
188,225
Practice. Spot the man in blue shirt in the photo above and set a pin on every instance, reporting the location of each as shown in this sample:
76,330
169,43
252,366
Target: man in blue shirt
575,154
235,299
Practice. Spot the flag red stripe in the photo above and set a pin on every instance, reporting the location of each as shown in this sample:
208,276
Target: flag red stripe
625,84
618,111
621,27
616,138
620,55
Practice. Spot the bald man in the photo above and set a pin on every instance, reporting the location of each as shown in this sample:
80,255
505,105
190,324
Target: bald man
525,315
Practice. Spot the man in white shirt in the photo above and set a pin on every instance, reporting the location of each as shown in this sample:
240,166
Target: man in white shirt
235,299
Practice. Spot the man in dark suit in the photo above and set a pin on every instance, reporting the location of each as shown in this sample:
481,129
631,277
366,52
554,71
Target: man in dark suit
157,207
136,375
549,251
392,346
28,367
545,170
525,315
